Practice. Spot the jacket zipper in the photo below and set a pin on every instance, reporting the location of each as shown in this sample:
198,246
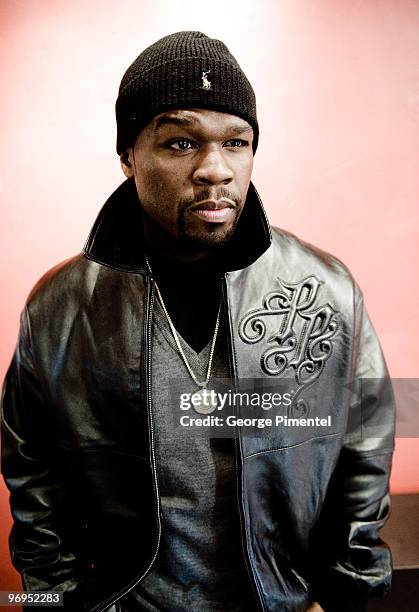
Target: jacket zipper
150,300
237,456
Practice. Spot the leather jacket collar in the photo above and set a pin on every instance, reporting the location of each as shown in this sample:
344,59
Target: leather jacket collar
116,238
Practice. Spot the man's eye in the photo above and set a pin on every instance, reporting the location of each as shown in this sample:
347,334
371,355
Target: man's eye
181,144
236,142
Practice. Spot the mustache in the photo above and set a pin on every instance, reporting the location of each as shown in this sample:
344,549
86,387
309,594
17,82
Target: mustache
209,194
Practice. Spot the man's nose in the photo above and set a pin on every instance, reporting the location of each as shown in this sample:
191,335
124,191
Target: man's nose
212,169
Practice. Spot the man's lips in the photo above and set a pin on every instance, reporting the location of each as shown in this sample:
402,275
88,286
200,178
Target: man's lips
214,211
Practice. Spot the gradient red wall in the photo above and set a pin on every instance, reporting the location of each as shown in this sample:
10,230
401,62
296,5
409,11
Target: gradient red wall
338,160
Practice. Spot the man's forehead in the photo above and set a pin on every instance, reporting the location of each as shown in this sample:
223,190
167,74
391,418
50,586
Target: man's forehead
195,117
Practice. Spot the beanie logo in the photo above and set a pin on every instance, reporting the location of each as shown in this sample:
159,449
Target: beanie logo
206,84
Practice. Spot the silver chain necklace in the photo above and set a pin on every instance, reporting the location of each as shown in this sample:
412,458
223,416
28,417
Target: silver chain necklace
203,401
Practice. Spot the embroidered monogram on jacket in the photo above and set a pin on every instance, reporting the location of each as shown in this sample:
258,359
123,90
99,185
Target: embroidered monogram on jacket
303,338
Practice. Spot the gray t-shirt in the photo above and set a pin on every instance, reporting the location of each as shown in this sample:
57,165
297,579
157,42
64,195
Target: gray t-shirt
200,564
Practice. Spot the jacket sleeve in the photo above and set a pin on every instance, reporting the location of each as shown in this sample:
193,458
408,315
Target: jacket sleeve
37,542
355,563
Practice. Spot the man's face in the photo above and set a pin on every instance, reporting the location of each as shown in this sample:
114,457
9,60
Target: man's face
192,171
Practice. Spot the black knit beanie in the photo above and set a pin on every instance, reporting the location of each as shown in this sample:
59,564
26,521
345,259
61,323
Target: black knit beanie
182,70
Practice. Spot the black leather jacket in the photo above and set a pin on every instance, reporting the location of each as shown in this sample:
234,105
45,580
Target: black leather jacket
78,440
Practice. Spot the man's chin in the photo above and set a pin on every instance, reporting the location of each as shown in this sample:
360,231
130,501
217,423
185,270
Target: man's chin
214,241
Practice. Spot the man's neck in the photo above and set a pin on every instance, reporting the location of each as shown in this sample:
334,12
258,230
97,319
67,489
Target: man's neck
191,291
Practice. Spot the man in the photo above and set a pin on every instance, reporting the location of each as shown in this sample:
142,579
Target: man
182,279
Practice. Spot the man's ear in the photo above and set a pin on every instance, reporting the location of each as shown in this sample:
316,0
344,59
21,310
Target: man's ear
127,163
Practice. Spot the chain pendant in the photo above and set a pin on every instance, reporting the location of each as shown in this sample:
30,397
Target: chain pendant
204,401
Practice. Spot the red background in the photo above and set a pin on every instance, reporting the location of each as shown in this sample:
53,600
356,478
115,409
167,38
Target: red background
338,161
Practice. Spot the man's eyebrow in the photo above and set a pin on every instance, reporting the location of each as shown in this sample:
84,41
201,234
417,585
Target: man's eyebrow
173,120
191,121
239,129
